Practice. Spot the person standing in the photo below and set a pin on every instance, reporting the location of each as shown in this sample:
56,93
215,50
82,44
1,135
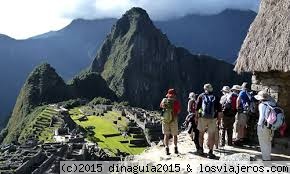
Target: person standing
190,119
243,103
207,108
265,134
171,108
228,103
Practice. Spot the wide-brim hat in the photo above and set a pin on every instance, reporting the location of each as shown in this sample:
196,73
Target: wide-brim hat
191,95
262,95
171,93
226,89
237,87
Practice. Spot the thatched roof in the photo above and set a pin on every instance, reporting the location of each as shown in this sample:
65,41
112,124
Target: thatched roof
267,45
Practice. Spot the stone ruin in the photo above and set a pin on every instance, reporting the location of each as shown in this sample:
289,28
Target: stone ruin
147,121
35,158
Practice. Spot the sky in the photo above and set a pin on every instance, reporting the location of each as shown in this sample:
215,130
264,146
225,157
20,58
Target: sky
22,19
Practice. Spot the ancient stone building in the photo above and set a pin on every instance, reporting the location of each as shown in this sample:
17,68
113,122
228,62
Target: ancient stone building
266,52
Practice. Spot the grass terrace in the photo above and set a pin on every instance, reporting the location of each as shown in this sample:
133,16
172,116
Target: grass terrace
107,134
40,125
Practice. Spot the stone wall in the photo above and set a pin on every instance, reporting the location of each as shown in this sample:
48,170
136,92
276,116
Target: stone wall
29,165
278,85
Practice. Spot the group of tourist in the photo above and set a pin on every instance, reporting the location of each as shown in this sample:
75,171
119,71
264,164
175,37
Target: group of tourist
225,114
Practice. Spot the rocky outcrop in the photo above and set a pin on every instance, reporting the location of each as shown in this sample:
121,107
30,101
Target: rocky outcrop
139,63
90,85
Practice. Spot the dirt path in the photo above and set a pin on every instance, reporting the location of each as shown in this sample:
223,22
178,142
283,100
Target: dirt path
187,151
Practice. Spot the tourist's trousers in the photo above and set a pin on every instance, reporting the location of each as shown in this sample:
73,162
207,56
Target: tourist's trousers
227,127
265,137
193,128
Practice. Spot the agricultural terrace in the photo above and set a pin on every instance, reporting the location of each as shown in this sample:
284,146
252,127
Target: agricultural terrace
106,133
41,124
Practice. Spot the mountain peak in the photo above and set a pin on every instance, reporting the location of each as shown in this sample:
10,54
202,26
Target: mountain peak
135,19
44,66
43,71
137,12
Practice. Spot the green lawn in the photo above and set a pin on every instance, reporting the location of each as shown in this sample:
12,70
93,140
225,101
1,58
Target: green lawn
104,125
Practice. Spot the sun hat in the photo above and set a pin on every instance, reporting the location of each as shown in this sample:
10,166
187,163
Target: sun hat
262,95
236,87
208,87
226,89
191,95
171,93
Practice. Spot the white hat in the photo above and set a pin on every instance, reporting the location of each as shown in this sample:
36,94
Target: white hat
226,89
262,95
208,87
191,95
237,87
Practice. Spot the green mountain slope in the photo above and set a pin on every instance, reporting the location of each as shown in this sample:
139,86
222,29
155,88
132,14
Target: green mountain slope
43,85
139,63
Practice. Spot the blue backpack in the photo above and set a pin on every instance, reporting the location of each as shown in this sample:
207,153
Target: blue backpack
208,102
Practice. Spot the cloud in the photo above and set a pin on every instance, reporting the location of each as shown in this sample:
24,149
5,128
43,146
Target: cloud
158,10
25,18
21,19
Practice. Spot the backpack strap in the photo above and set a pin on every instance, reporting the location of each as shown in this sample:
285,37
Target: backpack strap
271,107
249,96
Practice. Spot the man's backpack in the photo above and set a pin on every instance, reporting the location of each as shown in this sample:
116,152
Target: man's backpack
230,106
167,114
250,107
274,118
208,102
192,106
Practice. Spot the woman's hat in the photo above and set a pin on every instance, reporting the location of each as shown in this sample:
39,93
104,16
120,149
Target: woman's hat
236,87
191,95
171,93
262,95
226,89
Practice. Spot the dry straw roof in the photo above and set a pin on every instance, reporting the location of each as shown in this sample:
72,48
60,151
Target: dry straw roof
267,45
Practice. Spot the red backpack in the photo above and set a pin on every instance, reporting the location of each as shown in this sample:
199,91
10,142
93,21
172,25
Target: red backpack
229,108
234,101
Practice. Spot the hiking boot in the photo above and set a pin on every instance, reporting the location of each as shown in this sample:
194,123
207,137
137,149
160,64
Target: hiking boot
175,150
167,151
210,155
244,141
238,143
200,151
